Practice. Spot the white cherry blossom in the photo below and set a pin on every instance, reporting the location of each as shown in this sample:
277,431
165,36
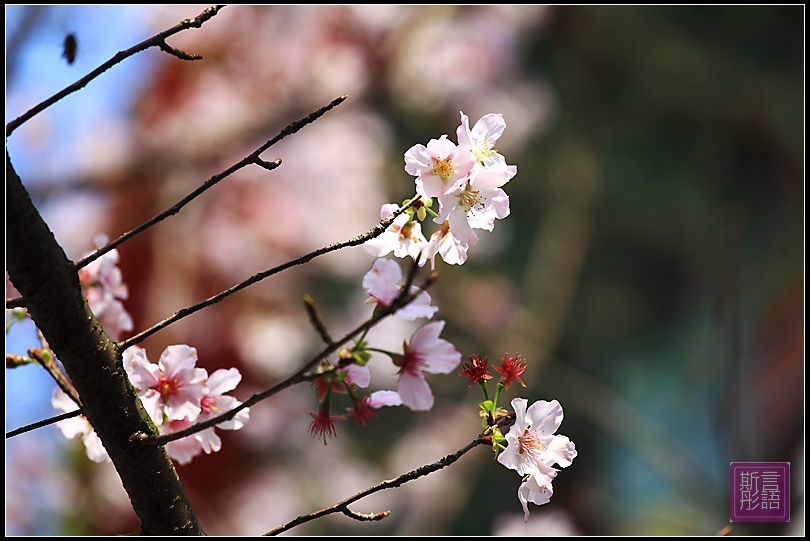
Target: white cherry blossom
533,447
444,243
481,138
438,166
532,491
476,203
79,426
384,283
403,237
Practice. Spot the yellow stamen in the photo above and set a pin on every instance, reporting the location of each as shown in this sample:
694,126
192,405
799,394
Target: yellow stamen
471,199
443,168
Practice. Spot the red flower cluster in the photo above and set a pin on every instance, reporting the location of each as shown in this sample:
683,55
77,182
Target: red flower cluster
476,370
511,368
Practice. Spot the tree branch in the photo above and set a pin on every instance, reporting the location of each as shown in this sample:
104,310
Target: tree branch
180,314
158,40
44,422
403,299
252,158
48,280
343,507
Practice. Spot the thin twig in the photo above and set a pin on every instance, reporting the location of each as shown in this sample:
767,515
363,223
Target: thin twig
252,158
159,40
45,358
343,507
44,422
370,234
317,320
401,300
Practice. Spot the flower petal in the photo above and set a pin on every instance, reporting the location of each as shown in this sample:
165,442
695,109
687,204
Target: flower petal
415,392
222,381
378,399
545,417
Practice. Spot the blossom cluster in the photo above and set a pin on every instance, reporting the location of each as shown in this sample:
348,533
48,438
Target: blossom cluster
103,287
532,447
174,391
424,353
176,394
466,179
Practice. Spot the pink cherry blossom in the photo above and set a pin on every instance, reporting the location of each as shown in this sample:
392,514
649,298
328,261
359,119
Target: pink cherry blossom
403,237
425,353
214,402
438,166
173,387
384,284
185,449
102,286
532,446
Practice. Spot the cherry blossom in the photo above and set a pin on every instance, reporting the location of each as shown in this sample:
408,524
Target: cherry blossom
403,237
481,138
185,449
532,445
476,203
362,410
443,242
438,166
214,402
425,353
532,491
358,375
384,283
79,427
102,286
173,386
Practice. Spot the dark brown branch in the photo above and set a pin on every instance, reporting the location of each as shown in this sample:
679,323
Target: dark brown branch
252,158
370,234
166,48
343,507
365,517
403,299
49,282
155,41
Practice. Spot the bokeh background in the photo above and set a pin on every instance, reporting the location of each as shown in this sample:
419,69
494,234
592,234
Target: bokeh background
651,270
